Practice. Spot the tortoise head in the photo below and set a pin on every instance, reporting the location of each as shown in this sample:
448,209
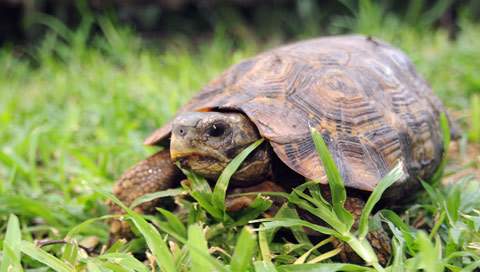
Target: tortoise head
205,142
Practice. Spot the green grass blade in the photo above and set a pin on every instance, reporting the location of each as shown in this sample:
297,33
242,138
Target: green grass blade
44,257
10,260
74,230
406,234
428,257
174,222
321,212
322,267
220,190
298,232
271,223
202,193
259,205
156,195
244,251
11,245
125,260
70,252
474,131
305,255
394,175
446,135
153,238
398,256
325,256
197,245
264,266
335,180
263,245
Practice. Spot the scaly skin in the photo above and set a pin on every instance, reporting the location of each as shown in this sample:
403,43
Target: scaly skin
156,173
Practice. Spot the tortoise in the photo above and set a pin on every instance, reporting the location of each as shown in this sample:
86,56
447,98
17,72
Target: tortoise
363,95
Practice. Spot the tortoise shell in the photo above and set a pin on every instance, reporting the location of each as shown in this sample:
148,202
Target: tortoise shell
365,97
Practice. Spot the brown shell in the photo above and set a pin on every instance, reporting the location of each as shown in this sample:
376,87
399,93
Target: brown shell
363,95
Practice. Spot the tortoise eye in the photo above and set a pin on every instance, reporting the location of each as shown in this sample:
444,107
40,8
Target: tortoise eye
216,130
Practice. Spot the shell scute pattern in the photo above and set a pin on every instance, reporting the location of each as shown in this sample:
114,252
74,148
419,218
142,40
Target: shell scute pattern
364,96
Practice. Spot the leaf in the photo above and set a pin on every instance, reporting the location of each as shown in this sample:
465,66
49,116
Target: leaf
11,246
321,211
427,255
406,233
259,205
44,257
220,190
244,251
335,180
446,144
325,256
202,193
125,260
174,222
394,175
321,267
264,247
264,266
86,223
70,252
156,195
270,223
305,255
197,245
154,240
198,250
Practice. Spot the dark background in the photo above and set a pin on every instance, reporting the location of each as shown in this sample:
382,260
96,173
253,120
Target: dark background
23,22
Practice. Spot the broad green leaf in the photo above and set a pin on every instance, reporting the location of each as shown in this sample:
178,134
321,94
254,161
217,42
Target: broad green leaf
220,190
394,175
244,251
11,246
154,240
44,257
335,180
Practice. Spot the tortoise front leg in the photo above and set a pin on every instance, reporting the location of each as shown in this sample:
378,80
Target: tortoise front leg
379,239
234,203
156,173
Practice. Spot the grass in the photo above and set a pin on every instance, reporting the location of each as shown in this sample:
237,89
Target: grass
73,115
